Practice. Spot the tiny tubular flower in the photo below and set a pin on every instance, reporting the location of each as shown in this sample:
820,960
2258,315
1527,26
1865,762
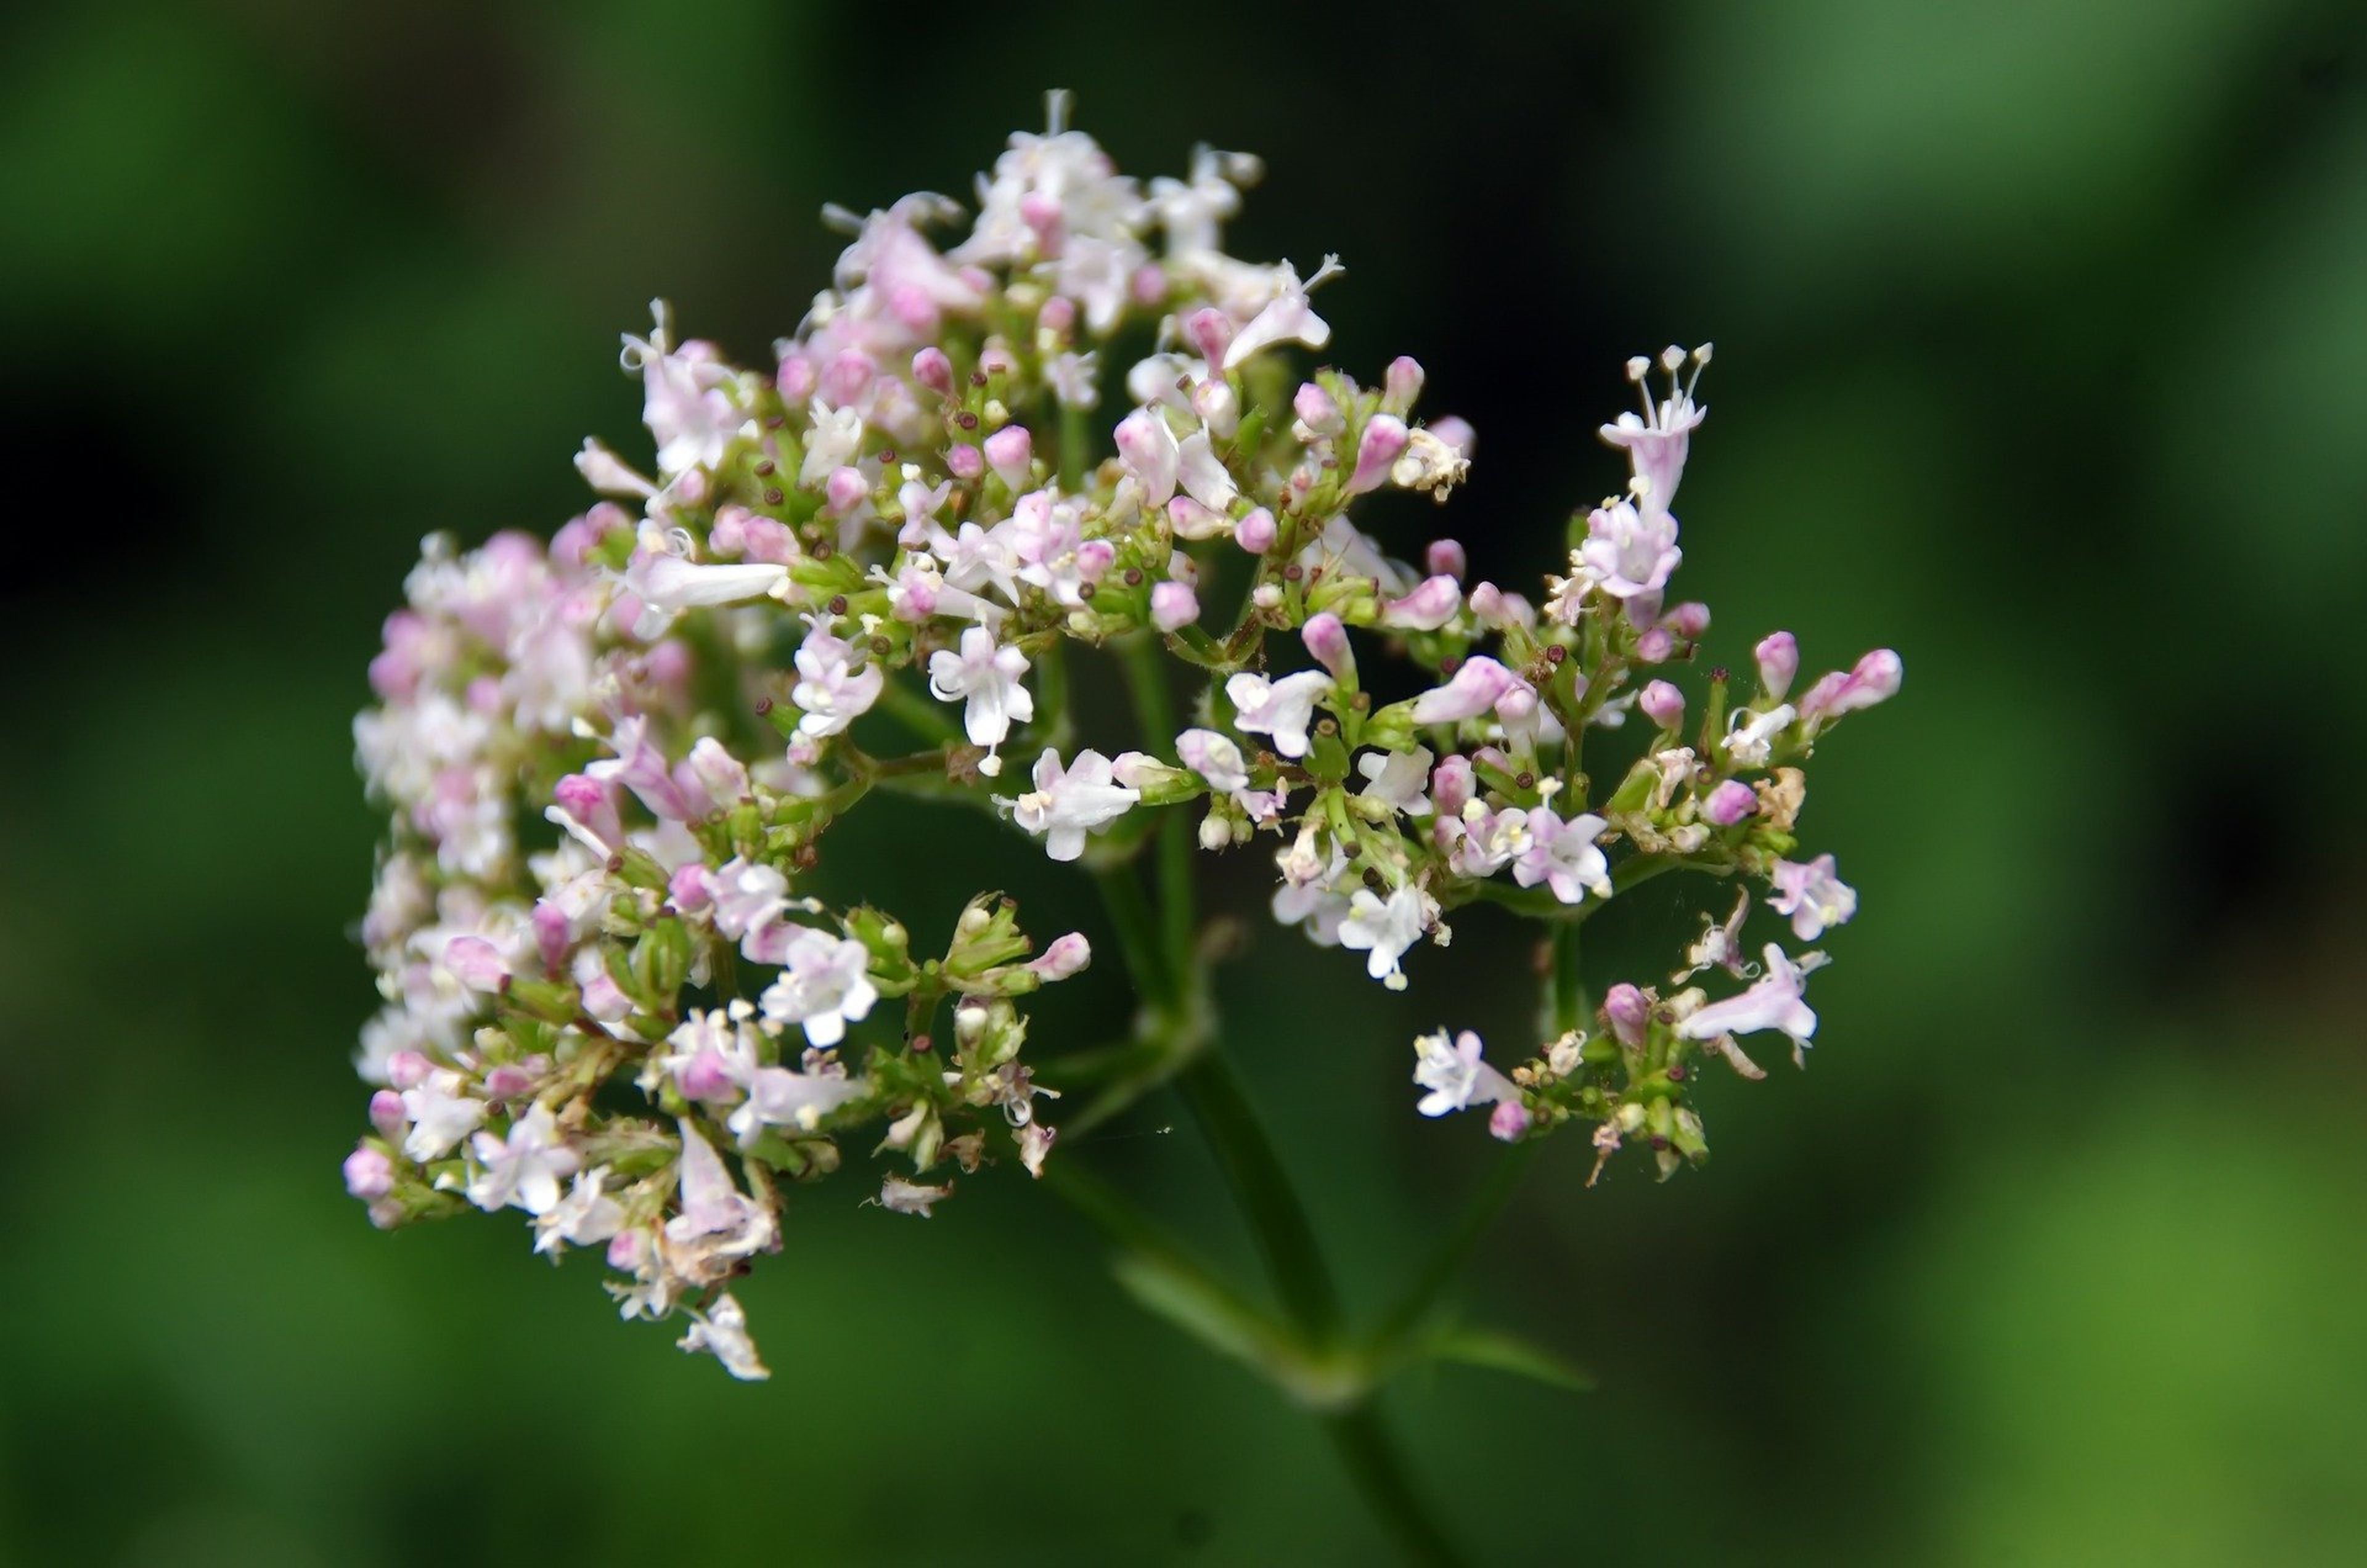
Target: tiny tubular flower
1815,897
1383,928
1280,708
1069,802
984,676
1452,1070
1772,1002
834,690
824,985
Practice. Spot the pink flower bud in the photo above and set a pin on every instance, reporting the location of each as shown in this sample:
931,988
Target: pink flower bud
1401,384
1655,646
475,963
408,1069
627,1250
387,1115
964,463
1149,284
508,1081
688,888
1730,803
1875,678
1040,211
706,1077
1067,955
932,369
1008,452
1476,687
846,488
1384,439
1316,410
1625,1006
1452,786
770,541
1457,432
1444,557
1509,1123
729,537
1058,317
1434,603
847,377
369,1174
1174,606
1500,611
553,931
1327,639
1778,654
1094,558
1255,533
1662,703
1210,331
795,380
1688,620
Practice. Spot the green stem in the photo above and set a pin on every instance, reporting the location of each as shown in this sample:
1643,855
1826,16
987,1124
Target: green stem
1454,1251
1138,933
1261,1190
1379,1473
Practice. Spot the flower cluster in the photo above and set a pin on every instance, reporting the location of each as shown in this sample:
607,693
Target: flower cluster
611,764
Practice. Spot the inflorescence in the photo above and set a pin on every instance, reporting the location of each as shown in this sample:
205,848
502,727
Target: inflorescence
610,763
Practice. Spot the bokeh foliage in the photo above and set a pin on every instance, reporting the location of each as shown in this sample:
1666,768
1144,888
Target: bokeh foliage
2042,336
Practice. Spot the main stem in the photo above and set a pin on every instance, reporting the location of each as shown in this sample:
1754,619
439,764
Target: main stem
1168,968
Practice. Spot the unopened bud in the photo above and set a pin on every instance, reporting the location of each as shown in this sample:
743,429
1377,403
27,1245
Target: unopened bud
1174,606
1778,654
1730,803
1662,703
1625,1006
1009,451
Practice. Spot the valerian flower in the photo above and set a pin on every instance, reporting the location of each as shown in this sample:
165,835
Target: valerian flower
1069,802
620,990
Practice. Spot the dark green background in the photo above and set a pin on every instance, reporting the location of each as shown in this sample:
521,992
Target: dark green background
2042,335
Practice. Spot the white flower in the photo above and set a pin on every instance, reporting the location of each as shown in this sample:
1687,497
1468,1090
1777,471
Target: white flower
1280,708
668,584
824,985
778,1097
1308,894
1147,448
1384,928
1656,443
1749,737
1563,855
584,1218
1477,684
747,897
1287,317
1067,803
1774,1001
832,690
1720,946
835,436
685,403
1813,896
1203,474
984,677
722,1332
717,1223
440,1115
1398,779
1630,553
1455,1076
525,1167
903,1197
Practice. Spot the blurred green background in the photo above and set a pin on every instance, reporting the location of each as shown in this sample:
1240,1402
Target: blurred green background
2042,338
